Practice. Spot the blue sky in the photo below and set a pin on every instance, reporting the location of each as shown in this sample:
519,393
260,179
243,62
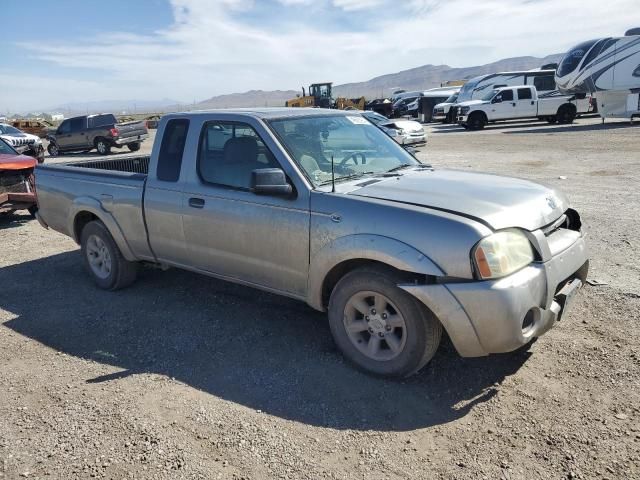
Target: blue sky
83,51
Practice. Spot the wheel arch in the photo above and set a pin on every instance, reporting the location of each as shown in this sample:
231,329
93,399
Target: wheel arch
345,254
85,210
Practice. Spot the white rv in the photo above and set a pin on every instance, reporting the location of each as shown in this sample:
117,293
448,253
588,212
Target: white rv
609,69
543,79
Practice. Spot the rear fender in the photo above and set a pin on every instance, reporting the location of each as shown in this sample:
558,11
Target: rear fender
95,207
377,248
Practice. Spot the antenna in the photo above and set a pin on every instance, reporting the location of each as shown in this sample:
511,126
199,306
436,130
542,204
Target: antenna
333,177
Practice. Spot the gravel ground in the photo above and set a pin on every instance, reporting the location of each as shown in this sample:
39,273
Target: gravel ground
182,376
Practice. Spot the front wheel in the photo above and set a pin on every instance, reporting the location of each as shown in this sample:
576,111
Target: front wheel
103,147
103,260
476,121
379,327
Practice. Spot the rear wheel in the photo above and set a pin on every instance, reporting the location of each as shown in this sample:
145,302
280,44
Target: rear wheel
379,327
103,260
103,147
566,114
134,147
53,149
477,121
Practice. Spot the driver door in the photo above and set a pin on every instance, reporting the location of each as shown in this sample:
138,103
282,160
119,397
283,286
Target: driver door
507,108
232,232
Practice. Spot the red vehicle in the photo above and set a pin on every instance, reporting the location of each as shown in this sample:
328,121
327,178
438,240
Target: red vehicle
17,190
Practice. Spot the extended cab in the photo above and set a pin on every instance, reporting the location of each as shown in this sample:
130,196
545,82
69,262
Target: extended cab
102,132
510,103
323,206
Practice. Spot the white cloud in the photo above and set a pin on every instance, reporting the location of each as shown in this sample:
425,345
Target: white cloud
209,50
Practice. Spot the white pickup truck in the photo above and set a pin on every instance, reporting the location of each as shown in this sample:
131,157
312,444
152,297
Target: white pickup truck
510,103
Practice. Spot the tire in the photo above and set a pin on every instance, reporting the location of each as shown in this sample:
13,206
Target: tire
32,211
103,260
566,115
103,146
53,150
415,332
40,154
134,147
477,121
552,120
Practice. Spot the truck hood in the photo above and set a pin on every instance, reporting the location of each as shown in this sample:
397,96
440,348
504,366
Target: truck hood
496,201
471,103
16,162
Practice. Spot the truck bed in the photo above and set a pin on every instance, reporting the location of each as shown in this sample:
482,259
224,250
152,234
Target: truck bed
137,164
111,189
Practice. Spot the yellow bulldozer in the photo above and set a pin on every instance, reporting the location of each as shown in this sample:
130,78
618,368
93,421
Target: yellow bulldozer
320,97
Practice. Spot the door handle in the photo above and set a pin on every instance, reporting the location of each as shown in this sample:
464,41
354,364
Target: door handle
514,104
532,102
196,202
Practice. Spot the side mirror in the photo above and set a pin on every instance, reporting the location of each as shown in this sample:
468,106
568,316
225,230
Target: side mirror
270,181
497,99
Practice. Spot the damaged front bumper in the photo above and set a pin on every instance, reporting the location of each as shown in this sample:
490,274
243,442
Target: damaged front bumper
496,316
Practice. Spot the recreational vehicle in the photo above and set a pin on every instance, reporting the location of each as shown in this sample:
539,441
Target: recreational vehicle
609,69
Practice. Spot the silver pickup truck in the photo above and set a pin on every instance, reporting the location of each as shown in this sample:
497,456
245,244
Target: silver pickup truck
324,207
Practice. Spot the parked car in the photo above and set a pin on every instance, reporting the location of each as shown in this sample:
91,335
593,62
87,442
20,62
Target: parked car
16,181
23,143
40,128
510,103
102,132
322,206
405,132
402,105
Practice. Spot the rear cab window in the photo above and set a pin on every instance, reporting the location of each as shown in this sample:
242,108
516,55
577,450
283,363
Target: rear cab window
172,150
102,120
524,94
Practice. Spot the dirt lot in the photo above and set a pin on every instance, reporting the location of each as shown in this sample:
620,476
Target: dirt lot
182,376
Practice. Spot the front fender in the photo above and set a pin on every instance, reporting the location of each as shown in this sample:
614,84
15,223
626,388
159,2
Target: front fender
364,247
91,205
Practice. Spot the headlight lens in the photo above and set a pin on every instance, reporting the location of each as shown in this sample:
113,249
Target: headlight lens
464,110
502,253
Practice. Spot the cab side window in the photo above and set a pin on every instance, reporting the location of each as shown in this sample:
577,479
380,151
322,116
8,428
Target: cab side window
65,127
229,152
77,124
507,95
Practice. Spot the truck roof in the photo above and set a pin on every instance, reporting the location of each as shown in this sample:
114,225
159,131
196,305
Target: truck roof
268,113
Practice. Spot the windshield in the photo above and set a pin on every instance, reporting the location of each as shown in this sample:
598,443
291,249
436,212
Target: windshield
489,96
356,146
452,99
572,59
6,149
466,92
9,130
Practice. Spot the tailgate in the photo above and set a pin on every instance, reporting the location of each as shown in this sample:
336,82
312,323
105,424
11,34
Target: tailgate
131,129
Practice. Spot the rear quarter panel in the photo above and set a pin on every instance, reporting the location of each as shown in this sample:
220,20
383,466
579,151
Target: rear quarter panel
114,197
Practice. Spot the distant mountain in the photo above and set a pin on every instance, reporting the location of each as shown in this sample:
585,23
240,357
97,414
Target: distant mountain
429,76
419,78
114,106
252,98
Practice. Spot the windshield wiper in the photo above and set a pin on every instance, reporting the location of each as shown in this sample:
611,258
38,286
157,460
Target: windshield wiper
347,177
400,167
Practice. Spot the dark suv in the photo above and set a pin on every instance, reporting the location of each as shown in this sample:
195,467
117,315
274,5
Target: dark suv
102,132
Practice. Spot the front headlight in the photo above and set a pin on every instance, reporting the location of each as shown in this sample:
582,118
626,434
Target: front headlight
502,253
464,110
